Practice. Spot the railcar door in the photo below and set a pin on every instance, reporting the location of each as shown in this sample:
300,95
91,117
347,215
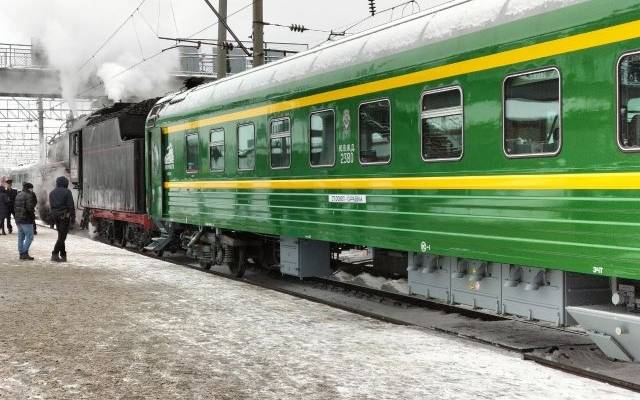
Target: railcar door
155,173
74,157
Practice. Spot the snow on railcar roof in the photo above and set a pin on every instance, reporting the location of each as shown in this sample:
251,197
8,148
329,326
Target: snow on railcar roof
433,25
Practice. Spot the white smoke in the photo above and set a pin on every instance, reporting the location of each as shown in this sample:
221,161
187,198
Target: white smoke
114,78
120,83
71,31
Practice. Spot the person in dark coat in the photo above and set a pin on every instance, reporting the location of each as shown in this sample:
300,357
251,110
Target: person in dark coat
4,209
11,194
63,214
35,203
25,208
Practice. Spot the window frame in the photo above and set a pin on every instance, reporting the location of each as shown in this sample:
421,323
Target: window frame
224,148
75,143
390,132
335,136
186,152
421,133
617,109
280,135
238,126
560,114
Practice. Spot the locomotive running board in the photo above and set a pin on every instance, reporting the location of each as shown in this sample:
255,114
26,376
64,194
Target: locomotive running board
158,244
616,331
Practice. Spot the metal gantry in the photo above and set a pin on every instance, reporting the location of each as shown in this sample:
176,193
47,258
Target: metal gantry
31,110
16,56
27,124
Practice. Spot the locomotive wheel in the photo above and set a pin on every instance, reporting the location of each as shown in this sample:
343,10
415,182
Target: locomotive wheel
110,232
143,240
93,231
238,264
204,264
123,239
219,257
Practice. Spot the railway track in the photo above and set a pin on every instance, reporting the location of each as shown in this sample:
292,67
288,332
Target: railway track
293,288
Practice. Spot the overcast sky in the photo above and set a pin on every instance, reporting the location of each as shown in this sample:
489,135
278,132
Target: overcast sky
20,19
72,31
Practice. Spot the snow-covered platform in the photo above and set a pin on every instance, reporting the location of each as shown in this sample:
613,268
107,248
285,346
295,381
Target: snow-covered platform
114,324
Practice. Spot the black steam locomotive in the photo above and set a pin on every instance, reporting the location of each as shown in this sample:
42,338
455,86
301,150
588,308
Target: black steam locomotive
103,157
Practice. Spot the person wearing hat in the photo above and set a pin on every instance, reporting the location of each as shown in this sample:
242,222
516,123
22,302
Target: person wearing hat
11,194
25,214
63,214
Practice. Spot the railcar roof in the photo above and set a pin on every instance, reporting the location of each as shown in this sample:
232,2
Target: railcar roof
433,25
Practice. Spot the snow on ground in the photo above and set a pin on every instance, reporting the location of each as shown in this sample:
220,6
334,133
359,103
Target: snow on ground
113,324
375,282
342,276
366,279
397,286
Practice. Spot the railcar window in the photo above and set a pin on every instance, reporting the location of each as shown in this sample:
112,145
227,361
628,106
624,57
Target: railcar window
192,152
280,142
216,150
168,156
375,132
322,139
629,102
442,125
532,114
246,147
75,145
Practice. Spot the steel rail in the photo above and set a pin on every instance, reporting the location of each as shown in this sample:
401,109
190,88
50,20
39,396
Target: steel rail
583,372
399,298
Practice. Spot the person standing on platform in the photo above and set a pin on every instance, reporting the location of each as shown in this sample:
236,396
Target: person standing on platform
4,209
35,203
25,209
11,194
63,215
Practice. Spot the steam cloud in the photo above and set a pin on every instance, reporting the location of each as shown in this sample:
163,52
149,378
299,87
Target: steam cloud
72,30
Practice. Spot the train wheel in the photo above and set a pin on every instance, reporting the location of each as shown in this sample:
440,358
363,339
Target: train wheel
238,264
143,239
219,258
110,232
93,231
204,264
123,238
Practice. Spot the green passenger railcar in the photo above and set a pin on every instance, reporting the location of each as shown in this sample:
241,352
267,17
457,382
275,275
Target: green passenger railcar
511,137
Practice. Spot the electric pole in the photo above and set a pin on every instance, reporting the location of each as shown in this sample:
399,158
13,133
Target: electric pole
258,34
221,60
43,149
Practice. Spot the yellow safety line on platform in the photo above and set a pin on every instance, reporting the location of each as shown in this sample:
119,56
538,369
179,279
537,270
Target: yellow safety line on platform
593,181
569,44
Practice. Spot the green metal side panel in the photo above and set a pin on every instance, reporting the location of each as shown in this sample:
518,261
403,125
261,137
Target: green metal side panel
576,230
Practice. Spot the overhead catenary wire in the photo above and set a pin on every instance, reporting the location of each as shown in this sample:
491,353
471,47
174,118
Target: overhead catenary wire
239,10
216,23
113,34
173,14
344,31
296,27
156,31
223,21
153,56
386,10
135,30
